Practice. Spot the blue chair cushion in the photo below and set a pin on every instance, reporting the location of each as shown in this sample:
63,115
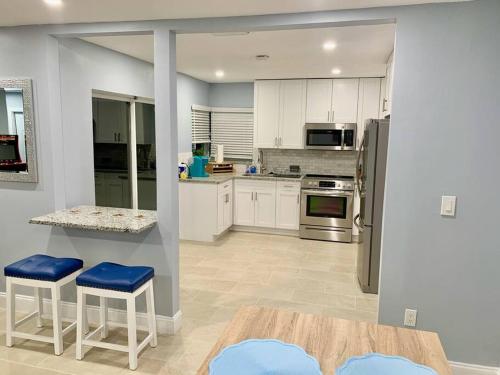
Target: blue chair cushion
114,276
43,267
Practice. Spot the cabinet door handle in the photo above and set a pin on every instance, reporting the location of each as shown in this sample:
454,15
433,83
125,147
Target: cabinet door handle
333,115
115,136
298,199
383,105
256,196
281,141
119,137
252,195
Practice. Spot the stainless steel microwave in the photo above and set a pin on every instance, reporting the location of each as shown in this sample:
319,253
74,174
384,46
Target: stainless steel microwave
336,137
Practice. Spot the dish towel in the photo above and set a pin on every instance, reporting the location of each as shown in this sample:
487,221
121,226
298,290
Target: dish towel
264,357
379,364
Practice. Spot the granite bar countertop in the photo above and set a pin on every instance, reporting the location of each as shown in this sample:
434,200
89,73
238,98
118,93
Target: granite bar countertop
105,219
224,177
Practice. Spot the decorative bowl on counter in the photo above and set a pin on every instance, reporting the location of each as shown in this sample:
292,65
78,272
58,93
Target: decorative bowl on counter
263,357
379,364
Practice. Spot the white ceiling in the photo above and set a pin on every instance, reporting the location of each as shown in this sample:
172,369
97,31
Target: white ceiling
361,51
27,12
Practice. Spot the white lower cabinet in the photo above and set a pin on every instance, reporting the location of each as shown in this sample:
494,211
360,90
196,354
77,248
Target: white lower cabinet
267,204
205,210
255,203
287,205
112,189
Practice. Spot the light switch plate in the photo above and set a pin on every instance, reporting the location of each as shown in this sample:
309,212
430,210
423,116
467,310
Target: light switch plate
448,205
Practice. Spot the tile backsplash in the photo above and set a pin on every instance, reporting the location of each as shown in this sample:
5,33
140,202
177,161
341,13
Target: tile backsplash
311,161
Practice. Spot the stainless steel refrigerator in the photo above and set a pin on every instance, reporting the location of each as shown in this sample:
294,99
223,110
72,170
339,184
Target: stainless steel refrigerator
370,182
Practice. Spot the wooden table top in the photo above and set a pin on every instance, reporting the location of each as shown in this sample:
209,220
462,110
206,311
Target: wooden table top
330,340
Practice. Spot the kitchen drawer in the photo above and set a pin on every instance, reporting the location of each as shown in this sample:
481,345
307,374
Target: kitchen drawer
288,185
255,184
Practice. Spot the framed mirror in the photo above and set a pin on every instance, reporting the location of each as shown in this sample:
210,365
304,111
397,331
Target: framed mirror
17,133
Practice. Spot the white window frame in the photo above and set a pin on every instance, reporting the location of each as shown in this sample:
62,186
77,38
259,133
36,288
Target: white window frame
132,100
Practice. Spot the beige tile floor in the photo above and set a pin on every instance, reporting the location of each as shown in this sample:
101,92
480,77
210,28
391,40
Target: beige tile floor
216,279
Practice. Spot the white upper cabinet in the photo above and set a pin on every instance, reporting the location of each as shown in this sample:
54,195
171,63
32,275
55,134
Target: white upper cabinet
293,114
111,121
369,104
319,101
279,113
345,100
332,100
267,113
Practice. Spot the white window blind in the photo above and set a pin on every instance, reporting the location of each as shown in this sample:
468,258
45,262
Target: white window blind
200,124
233,128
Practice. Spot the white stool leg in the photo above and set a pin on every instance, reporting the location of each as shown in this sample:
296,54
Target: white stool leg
56,318
150,304
39,307
10,319
85,316
103,315
132,333
79,322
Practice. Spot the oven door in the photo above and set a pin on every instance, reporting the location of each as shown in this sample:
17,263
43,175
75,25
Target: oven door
323,137
326,208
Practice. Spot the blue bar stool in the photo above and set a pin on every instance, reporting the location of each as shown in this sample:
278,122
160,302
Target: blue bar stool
40,271
111,280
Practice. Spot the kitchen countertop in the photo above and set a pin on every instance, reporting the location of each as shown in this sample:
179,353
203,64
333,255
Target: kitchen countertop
104,219
224,177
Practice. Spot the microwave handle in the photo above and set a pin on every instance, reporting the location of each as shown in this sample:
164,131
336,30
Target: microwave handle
342,139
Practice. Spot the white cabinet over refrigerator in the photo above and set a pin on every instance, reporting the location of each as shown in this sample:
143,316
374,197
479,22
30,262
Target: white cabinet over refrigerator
332,100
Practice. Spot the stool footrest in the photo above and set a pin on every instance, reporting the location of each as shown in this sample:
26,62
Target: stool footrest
144,342
105,345
26,318
29,336
69,328
94,332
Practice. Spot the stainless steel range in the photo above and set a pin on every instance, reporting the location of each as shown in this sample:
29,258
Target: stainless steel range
326,207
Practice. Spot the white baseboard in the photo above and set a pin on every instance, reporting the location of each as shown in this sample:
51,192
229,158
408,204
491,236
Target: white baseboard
468,369
279,232
165,324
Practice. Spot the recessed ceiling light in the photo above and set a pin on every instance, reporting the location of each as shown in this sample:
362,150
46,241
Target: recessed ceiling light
219,73
336,71
329,46
53,3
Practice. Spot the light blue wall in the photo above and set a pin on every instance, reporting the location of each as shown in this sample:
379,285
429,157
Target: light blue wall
231,95
189,91
443,141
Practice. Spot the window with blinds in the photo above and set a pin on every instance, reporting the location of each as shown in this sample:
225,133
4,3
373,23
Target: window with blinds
200,124
233,128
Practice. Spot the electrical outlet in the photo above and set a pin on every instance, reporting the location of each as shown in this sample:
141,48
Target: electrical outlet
410,318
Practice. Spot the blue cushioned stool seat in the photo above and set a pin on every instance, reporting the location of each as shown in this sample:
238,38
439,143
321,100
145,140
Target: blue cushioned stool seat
43,267
114,276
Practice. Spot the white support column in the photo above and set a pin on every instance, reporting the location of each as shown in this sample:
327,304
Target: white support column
56,319
38,306
132,332
166,158
10,318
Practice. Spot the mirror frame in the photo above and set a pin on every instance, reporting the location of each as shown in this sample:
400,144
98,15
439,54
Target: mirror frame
29,130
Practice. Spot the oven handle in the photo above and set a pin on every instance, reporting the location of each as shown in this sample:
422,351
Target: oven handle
330,193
